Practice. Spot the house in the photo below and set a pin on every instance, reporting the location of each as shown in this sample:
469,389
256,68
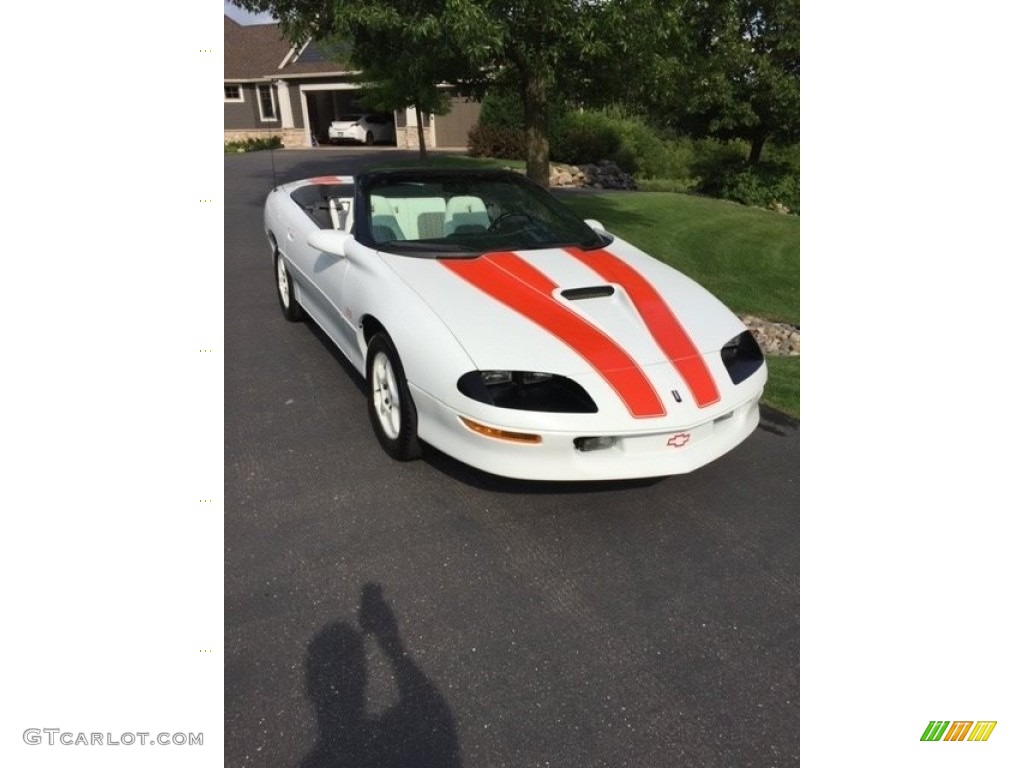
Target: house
274,88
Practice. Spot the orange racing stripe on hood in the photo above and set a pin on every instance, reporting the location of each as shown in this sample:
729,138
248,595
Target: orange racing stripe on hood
518,285
660,321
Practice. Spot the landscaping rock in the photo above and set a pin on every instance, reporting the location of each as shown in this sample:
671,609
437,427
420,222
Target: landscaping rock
602,175
774,338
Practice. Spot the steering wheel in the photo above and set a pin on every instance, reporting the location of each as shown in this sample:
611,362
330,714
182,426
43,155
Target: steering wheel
511,215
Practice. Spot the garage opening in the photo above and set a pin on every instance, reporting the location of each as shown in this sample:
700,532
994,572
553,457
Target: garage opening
338,117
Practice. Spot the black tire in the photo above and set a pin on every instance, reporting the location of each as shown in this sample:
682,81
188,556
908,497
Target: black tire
369,138
293,313
394,423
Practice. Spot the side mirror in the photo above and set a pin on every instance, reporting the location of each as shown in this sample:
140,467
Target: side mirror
330,241
595,225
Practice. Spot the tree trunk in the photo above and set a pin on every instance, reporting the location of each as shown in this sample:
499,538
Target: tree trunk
756,145
419,133
535,109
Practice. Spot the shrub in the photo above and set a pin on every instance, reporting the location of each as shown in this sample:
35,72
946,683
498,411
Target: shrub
253,144
648,153
584,137
660,161
496,141
721,170
767,185
712,162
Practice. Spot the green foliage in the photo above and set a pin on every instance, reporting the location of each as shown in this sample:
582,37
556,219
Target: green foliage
766,185
585,137
502,108
719,68
536,46
660,161
741,73
253,144
486,140
721,170
722,68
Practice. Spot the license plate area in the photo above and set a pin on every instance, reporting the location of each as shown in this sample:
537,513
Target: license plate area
679,440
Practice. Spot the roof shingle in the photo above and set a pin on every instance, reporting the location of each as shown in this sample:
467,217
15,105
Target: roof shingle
256,51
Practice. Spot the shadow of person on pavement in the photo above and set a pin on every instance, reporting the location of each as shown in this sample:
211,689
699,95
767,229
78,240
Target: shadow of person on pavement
418,731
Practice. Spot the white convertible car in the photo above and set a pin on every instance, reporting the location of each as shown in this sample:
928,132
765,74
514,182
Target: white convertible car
494,324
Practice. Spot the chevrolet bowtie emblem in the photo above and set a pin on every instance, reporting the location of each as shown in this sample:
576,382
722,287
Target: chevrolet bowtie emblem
679,440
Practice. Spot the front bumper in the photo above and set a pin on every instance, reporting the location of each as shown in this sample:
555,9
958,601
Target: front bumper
635,454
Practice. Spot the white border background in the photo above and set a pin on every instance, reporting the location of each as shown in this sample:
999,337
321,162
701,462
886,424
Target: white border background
112,568
113,418
910,476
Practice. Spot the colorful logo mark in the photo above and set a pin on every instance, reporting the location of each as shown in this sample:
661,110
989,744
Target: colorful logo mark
959,730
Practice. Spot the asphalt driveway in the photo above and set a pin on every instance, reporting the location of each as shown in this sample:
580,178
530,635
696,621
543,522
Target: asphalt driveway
426,614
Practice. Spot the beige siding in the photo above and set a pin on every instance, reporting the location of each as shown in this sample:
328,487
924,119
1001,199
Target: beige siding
452,130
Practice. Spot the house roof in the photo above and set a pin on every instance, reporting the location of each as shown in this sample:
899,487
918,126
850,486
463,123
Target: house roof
258,51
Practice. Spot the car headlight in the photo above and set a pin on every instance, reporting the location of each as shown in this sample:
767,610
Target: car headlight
742,356
526,391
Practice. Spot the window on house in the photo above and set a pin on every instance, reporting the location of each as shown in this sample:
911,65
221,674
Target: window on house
233,93
267,111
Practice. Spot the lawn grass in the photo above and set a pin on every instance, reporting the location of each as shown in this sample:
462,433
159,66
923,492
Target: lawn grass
747,257
783,389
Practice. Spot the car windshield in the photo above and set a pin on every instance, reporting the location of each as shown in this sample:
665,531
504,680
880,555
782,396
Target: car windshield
464,215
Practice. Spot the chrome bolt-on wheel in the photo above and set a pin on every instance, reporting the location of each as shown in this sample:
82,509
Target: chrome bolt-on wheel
282,284
386,400
286,292
392,411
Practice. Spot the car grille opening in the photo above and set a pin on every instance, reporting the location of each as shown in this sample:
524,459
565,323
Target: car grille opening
586,444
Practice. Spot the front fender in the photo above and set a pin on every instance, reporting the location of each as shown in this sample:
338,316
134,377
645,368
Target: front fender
431,356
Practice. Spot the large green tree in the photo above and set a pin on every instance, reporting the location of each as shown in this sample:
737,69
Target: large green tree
738,65
530,42
720,68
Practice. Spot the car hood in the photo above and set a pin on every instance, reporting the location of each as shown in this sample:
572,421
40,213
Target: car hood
537,310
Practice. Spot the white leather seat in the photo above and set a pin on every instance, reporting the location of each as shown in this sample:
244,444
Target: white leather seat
466,213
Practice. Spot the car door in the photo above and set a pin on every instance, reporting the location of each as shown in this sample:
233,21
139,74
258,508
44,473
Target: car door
329,273
320,279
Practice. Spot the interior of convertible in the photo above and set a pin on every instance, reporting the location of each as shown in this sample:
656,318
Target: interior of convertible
329,205
426,218
443,214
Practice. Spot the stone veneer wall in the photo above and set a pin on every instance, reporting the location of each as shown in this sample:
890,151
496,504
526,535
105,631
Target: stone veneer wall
407,138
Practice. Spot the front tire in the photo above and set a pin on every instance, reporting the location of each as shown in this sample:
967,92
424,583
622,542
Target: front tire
293,313
392,411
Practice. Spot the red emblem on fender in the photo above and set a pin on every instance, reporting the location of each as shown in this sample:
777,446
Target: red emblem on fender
678,441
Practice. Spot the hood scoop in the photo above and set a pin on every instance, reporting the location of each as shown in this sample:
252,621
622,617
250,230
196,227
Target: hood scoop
592,292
